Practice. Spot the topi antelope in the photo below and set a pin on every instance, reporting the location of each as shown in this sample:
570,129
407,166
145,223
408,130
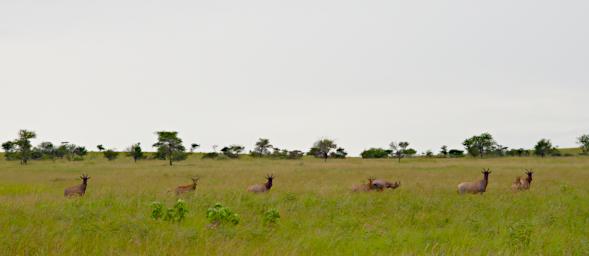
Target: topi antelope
476,186
78,190
261,188
522,183
364,187
380,185
187,188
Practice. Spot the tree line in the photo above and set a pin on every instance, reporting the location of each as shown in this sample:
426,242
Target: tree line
170,148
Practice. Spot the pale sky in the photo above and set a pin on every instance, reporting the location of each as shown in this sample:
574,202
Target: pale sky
364,73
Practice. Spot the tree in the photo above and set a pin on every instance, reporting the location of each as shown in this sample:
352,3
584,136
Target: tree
262,148
480,145
47,150
110,154
543,148
375,153
71,151
322,148
399,150
135,152
21,147
518,152
429,153
455,153
500,150
193,146
9,150
444,151
232,151
410,152
295,154
339,153
583,141
169,146
100,147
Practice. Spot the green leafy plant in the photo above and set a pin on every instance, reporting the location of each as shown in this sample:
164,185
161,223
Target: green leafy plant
271,216
219,214
157,210
174,214
180,210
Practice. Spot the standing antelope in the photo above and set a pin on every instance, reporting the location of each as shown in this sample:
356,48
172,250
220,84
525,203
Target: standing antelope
476,186
380,185
261,188
522,183
363,187
78,190
187,188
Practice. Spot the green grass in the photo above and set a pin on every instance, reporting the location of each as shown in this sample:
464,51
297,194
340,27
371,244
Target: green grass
319,214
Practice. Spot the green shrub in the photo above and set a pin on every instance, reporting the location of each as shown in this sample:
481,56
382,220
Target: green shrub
271,216
375,153
110,154
157,211
219,214
456,153
175,214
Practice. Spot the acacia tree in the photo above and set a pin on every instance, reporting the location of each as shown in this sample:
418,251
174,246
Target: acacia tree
193,146
339,153
399,150
232,151
322,148
100,147
480,145
543,147
262,148
170,146
583,141
444,151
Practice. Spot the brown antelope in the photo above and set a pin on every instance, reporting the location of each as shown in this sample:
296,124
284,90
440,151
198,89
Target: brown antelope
261,188
364,187
187,188
78,190
380,185
522,183
475,186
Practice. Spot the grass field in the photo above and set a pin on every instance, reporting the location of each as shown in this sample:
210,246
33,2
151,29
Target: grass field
319,214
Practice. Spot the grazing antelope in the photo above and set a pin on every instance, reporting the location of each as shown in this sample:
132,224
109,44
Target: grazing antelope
522,183
476,186
363,187
78,190
187,188
261,188
380,185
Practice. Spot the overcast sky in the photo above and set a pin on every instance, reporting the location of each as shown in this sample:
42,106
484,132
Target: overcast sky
364,73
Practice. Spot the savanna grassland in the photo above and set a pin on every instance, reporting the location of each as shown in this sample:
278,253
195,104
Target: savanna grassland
319,214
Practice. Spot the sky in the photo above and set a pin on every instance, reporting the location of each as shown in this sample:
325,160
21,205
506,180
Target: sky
364,73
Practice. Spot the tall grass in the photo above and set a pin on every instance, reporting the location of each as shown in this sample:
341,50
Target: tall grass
318,213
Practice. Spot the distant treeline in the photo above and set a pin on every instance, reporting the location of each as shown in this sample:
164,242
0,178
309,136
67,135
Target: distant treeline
169,147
